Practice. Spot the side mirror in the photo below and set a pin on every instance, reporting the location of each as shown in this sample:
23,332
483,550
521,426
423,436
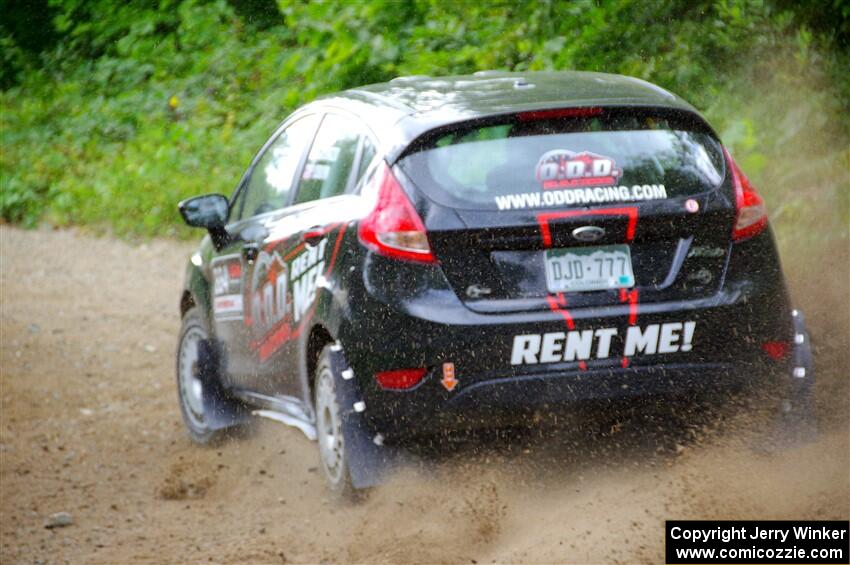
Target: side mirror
208,211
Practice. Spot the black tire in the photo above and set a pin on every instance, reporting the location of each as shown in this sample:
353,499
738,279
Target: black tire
189,387
332,448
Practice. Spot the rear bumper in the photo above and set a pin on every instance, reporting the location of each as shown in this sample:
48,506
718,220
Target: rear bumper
526,398
413,319
519,400
492,392
555,388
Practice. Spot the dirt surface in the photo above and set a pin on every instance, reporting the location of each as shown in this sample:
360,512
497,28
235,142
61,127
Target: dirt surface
90,426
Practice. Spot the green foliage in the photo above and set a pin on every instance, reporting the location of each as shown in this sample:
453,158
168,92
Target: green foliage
788,131
132,106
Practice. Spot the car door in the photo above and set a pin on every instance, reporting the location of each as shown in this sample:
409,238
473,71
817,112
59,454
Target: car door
300,248
261,198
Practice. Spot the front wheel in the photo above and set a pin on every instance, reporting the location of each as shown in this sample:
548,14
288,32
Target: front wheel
190,387
332,447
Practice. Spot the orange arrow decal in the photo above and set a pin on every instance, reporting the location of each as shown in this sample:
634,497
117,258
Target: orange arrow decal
449,381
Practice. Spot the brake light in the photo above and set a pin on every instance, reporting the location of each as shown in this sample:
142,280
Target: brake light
750,211
393,228
400,379
556,113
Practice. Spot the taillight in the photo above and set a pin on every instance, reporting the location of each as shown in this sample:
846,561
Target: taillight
750,211
400,379
393,228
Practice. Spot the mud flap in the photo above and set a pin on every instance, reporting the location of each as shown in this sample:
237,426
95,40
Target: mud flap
220,409
796,422
369,461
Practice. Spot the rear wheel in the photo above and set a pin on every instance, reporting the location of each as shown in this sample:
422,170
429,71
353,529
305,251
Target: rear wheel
190,387
332,447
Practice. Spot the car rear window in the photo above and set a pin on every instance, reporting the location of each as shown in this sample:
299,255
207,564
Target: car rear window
531,161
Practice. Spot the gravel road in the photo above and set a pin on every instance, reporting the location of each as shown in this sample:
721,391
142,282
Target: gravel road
90,427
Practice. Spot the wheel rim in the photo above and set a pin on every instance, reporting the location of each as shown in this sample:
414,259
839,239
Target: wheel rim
191,387
329,427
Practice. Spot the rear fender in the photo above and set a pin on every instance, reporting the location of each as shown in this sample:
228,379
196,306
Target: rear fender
369,460
801,391
796,420
330,314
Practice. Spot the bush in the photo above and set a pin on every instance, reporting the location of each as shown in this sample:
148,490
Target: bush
133,106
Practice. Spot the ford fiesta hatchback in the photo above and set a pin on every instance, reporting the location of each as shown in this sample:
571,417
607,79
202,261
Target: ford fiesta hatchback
435,254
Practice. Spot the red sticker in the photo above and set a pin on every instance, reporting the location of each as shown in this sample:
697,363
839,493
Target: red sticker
562,168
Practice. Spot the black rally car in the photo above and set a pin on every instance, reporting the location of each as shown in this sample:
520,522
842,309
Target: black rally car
433,254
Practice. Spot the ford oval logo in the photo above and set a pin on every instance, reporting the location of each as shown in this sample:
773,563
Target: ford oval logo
588,233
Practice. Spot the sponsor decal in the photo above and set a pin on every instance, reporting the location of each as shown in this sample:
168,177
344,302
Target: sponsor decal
583,195
562,168
268,292
316,171
281,289
305,272
584,345
569,178
284,291
228,305
227,287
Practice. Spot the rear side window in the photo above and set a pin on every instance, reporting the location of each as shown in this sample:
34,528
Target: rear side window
366,157
530,162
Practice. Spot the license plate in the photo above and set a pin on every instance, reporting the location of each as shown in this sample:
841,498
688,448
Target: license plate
578,269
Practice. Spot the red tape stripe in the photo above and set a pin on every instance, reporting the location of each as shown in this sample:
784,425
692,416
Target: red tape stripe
630,296
558,304
630,212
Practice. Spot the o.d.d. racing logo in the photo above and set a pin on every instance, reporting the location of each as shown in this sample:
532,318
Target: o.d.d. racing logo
561,168
273,299
268,292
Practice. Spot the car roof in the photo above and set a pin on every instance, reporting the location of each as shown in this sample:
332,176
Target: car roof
402,109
